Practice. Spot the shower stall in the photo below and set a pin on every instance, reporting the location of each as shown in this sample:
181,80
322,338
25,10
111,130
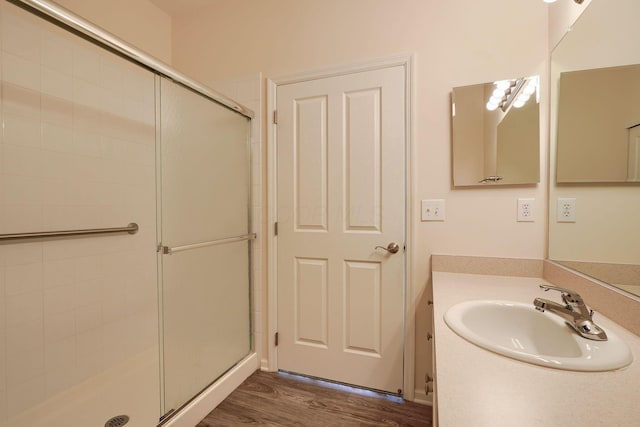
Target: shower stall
125,232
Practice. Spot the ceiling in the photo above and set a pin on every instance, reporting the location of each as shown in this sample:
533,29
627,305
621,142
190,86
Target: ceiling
177,7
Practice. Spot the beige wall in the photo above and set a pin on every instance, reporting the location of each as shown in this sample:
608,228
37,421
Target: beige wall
139,22
562,15
455,43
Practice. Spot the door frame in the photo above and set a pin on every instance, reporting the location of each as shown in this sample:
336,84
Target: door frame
270,355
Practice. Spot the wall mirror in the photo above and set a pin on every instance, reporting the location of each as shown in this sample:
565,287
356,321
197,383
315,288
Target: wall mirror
496,133
596,167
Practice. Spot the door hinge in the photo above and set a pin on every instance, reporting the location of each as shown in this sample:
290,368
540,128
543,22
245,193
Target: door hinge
276,339
275,117
275,228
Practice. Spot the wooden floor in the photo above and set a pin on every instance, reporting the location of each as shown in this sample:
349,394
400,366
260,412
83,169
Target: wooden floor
278,399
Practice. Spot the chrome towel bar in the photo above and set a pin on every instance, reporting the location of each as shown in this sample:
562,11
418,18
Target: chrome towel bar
132,228
168,251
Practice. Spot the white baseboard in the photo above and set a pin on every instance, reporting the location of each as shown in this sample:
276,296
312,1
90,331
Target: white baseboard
264,365
206,402
423,399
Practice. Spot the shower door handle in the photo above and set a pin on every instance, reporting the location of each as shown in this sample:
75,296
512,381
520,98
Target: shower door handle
392,248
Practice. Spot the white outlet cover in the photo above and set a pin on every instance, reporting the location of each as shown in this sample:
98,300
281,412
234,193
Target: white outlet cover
526,208
566,210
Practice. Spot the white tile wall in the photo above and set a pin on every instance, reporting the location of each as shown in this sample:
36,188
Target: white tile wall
77,150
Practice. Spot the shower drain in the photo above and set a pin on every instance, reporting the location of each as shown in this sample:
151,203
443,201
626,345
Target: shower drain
117,421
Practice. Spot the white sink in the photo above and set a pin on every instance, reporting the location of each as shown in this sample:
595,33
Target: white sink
518,331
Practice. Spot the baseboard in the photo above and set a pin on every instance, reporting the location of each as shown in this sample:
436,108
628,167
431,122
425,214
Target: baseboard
206,402
419,397
264,365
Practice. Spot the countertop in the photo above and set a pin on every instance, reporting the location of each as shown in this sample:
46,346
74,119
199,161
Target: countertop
476,387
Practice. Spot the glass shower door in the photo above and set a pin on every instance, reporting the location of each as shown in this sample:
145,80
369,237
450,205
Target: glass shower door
205,190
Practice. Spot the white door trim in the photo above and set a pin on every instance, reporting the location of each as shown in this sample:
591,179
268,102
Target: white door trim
406,61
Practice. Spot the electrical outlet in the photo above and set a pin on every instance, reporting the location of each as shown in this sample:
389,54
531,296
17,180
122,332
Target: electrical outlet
433,210
525,210
566,210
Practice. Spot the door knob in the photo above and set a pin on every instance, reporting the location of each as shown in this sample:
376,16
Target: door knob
392,248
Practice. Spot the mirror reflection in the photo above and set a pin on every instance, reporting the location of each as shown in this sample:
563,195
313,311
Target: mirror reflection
496,133
599,125
597,168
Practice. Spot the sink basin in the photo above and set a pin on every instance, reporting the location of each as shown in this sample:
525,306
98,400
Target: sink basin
518,331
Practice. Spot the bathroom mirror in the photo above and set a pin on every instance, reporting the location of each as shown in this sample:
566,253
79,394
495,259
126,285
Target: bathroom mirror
602,51
496,133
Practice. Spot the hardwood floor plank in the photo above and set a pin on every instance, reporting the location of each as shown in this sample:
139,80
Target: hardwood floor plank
276,399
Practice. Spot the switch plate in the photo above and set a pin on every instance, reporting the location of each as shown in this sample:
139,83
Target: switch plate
525,210
566,210
433,210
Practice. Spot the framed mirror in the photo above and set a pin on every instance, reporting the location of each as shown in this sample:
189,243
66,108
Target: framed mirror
496,132
595,167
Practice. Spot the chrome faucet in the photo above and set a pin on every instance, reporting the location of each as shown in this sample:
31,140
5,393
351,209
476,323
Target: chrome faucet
574,312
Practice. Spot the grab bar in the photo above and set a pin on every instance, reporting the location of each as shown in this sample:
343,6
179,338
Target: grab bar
166,250
132,228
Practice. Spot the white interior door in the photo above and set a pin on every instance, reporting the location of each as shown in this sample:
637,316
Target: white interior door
341,193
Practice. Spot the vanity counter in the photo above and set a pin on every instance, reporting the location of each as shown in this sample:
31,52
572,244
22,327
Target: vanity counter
476,387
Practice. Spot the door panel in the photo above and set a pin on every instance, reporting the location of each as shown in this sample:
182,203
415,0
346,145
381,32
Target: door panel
362,163
341,193
311,302
206,317
362,307
311,163
205,184
205,168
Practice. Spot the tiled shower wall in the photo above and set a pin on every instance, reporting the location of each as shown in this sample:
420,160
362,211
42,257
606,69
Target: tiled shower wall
77,151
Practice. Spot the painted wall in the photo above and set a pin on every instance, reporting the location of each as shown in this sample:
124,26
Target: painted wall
143,25
562,15
455,43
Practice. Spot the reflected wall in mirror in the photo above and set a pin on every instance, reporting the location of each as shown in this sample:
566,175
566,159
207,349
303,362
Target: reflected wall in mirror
598,125
496,133
603,241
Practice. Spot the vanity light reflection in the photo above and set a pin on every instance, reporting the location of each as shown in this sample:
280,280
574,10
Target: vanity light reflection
496,132
514,92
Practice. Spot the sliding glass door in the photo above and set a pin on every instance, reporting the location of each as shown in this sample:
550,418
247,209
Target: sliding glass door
205,257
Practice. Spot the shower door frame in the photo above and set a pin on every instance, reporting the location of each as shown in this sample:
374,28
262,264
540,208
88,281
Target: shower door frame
270,358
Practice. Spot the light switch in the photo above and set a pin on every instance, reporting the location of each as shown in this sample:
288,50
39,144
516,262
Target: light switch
433,210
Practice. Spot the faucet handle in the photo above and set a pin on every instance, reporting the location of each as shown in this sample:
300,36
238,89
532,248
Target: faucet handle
572,299
568,296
